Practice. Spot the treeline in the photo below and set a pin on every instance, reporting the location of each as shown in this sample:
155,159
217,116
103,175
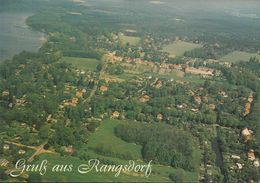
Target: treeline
63,36
208,52
243,76
161,143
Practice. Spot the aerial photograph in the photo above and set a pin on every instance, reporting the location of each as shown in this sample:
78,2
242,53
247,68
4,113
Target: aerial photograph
130,91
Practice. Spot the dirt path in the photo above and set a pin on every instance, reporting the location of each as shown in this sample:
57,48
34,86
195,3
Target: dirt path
104,67
39,149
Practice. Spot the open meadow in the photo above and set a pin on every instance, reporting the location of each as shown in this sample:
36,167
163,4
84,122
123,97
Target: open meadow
105,135
178,48
129,39
82,63
237,56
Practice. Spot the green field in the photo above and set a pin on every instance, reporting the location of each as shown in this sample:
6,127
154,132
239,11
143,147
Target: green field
237,56
178,48
105,136
82,63
129,39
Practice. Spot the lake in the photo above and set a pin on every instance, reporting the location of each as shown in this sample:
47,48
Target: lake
16,36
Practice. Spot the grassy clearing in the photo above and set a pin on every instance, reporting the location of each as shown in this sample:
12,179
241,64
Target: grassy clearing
178,48
105,136
237,56
129,39
82,63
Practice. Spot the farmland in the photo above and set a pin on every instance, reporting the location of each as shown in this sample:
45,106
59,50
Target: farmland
178,48
237,56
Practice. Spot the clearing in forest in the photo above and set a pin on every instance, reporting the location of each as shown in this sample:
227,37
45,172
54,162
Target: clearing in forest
82,63
178,48
237,56
129,39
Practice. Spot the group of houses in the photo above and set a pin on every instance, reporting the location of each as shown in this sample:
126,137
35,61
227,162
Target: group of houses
247,135
161,67
248,105
74,101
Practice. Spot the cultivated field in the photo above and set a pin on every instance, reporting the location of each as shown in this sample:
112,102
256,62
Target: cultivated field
82,63
178,48
237,56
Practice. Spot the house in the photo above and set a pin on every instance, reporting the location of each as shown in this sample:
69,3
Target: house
195,110
199,71
223,94
239,166
251,155
197,99
23,125
72,39
144,99
256,163
49,118
20,102
69,149
116,114
6,147
21,151
4,163
69,87
158,84
159,116
247,108
235,157
74,101
250,98
246,134
5,93
180,106
206,99
177,66
79,94
103,88
212,106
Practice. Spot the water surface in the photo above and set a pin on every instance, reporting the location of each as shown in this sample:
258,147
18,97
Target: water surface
16,36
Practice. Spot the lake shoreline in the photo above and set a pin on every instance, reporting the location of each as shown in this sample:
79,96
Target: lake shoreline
16,36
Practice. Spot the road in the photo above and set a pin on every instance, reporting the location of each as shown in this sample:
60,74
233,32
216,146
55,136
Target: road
39,149
95,87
